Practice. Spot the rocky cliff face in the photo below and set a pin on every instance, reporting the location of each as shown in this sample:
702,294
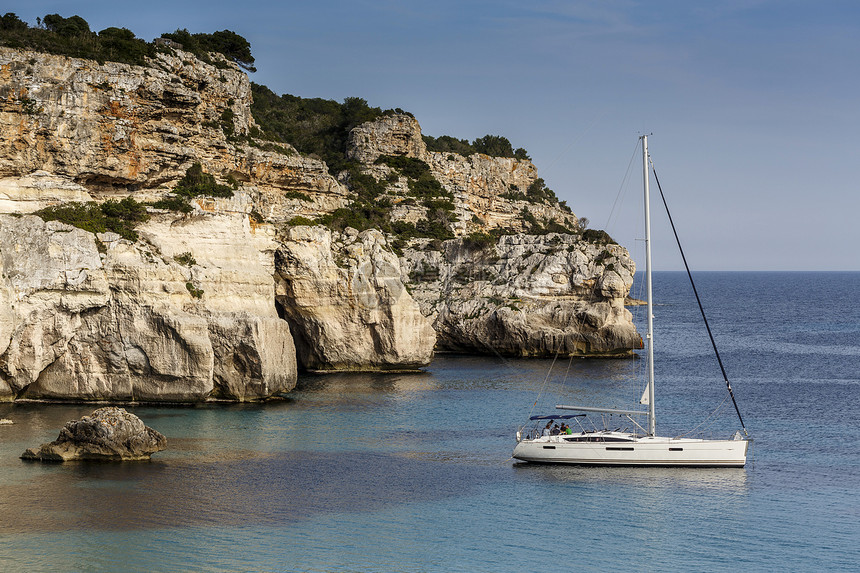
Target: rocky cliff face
133,323
113,129
217,304
338,288
484,188
188,312
526,296
517,295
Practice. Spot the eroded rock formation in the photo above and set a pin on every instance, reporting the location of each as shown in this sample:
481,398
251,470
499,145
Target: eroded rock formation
186,316
520,294
108,434
488,192
526,296
107,130
347,305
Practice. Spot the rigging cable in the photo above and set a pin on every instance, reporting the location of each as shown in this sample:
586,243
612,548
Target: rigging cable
698,300
545,380
621,187
703,422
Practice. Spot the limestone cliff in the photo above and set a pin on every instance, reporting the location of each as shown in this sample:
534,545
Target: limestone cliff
104,130
338,288
229,300
135,323
526,296
188,312
488,192
518,294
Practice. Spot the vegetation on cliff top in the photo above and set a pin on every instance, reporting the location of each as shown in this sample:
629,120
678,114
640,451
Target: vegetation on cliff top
225,42
72,37
314,126
492,145
320,127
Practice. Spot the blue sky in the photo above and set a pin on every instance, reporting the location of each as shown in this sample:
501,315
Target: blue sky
752,104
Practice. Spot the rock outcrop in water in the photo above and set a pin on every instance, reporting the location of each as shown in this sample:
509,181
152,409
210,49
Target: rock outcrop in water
228,301
108,434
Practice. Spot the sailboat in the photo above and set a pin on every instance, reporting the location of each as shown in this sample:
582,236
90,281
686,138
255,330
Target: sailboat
641,446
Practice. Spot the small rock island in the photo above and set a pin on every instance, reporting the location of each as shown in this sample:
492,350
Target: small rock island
108,434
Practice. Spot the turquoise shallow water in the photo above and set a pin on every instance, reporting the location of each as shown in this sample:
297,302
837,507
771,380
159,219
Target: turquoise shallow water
412,472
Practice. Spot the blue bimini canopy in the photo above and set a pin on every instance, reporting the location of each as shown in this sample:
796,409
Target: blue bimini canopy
557,417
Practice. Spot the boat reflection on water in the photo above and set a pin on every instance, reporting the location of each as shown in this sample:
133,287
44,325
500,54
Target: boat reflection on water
717,479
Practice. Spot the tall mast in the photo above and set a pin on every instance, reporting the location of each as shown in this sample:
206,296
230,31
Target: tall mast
652,423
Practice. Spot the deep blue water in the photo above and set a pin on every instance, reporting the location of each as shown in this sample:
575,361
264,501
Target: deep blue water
412,472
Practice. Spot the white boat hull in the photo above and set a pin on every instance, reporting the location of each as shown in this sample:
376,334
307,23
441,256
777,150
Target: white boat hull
615,449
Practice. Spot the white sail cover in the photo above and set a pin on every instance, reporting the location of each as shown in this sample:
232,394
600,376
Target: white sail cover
644,398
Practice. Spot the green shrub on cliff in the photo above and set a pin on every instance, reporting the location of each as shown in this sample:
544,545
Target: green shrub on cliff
479,240
226,42
538,192
173,203
298,221
72,36
498,146
186,259
10,22
598,236
536,227
314,126
120,217
422,183
448,144
364,185
361,215
193,290
492,145
197,182
409,167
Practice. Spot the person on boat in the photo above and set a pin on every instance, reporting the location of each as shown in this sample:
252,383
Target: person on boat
546,430
555,431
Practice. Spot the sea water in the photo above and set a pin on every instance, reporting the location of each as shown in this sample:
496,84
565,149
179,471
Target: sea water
396,472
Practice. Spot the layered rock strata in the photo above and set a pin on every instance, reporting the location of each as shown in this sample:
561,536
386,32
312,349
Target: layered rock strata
111,129
188,312
522,295
485,189
208,305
